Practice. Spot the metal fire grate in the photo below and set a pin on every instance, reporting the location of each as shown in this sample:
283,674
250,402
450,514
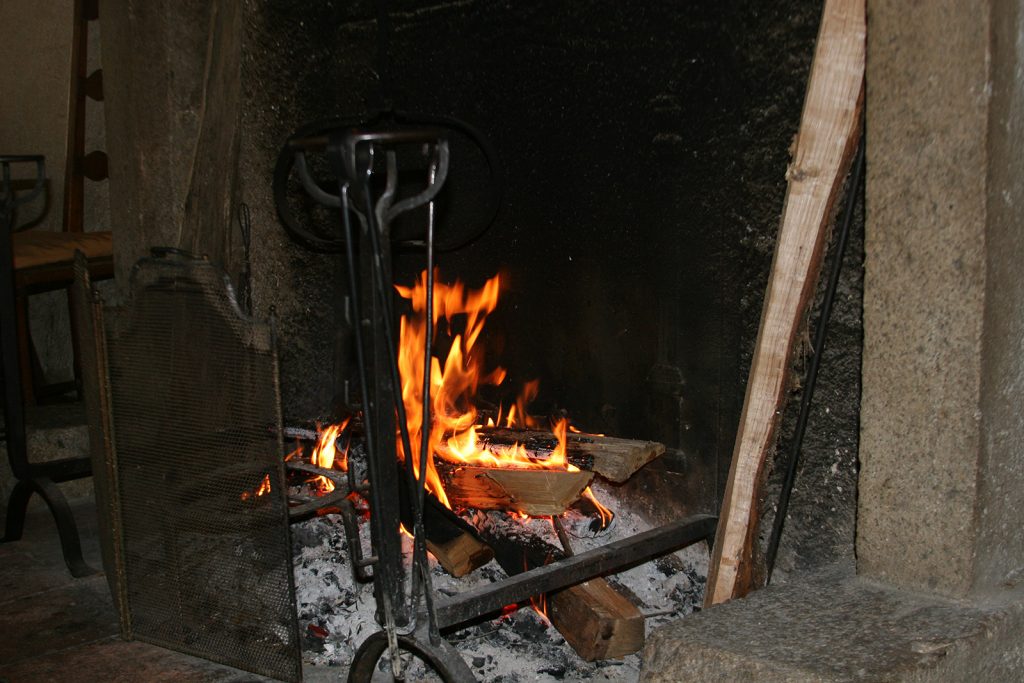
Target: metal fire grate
196,423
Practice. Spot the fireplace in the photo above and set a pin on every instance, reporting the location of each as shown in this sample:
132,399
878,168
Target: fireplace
939,458
196,423
642,155
642,158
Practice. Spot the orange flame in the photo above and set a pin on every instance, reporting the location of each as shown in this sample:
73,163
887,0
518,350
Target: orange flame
453,384
517,414
260,490
464,448
540,606
453,387
325,454
606,514
539,603
295,452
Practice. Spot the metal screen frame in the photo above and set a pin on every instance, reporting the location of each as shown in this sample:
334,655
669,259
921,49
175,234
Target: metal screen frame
196,421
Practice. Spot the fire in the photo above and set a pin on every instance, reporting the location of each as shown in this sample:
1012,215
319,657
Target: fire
539,604
262,489
454,381
325,454
517,414
464,448
453,386
606,514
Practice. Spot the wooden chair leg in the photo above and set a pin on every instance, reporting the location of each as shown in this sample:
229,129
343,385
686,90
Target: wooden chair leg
67,528
25,350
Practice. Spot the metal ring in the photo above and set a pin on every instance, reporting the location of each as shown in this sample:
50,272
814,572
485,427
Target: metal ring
442,658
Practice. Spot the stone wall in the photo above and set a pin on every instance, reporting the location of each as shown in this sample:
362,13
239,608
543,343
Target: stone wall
941,462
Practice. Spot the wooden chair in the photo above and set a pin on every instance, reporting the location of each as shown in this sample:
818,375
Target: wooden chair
40,261
30,477
43,260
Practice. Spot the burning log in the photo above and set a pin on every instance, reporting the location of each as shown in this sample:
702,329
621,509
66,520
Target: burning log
595,619
453,541
613,458
536,492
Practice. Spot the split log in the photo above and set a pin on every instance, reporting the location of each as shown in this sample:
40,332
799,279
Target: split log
531,491
595,619
613,458
821,159
453,542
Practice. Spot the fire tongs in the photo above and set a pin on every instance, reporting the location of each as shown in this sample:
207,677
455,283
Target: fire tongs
412,620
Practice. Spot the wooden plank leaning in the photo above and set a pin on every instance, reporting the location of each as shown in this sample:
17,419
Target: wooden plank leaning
821,159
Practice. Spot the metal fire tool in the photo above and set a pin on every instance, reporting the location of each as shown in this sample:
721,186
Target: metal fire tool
365,164
358,158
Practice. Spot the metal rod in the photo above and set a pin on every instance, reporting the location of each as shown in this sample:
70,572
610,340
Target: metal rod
384,599
793,457
569,571
563,536
383,293
420,548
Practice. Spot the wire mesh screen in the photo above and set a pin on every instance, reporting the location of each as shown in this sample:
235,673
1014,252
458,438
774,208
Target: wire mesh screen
196,421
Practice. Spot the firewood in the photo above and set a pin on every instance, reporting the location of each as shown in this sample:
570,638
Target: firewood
453,542
461,555
531,491
595,619
613,458
821,158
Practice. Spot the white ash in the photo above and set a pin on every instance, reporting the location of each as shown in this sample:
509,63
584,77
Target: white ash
336,614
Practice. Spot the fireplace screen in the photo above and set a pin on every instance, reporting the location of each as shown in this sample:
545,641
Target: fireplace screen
196,421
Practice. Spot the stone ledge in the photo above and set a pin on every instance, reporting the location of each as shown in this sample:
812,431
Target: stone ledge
835,626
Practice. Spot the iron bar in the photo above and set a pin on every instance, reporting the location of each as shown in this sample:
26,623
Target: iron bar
574,569
793,456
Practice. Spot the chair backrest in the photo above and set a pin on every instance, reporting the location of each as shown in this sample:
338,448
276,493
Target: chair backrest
79,165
